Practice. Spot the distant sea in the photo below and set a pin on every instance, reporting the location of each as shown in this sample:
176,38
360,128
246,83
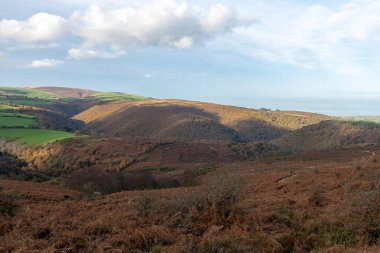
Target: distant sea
332,107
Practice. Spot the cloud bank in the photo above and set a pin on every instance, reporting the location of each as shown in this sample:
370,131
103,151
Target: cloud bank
341,37
156,23
164,23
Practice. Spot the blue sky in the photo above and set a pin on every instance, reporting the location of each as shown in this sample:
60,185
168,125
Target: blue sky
321,56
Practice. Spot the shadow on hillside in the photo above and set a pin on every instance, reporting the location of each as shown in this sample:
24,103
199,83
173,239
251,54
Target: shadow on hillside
259,130
183,122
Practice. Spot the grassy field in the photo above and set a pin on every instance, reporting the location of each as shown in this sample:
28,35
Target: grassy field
24,101
29,93
35,136
17,120
7,107
114,96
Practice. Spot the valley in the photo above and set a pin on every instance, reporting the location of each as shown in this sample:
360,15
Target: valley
85,171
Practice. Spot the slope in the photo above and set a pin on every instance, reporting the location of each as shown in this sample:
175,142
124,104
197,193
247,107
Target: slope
192,120
67,92
331,134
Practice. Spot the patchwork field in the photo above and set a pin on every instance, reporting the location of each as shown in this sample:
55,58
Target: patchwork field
7,107
115,96
28,93
17,120
35,136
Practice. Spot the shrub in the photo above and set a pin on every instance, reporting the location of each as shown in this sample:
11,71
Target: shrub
223,194
317,197
144,203
307,234
100,230
139,180
364,209
235,245
8,205
150,239
215,206
42,234
90,181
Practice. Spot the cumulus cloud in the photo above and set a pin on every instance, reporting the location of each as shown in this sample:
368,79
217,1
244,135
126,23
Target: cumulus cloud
151,23
220,19
44,63
38,29
164,23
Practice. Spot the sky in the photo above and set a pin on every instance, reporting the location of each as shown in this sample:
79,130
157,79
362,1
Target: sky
321,56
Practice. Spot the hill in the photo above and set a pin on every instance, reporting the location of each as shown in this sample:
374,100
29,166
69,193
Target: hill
178,180
331,134
192,120
67,92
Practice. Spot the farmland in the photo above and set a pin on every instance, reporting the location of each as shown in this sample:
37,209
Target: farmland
115,96
35,136
28,92
17,120
7,107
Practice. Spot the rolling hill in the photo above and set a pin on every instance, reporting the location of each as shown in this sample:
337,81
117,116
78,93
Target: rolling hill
185,175
192,120
331,134
67,92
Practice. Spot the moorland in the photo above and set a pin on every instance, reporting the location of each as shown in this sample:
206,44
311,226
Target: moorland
86,171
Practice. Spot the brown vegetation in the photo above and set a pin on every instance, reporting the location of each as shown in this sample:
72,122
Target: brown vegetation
283,205
330,135
192,120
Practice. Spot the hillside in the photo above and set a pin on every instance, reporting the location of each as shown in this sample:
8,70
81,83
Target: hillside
67,92
192,120
316,202
181,176
331,134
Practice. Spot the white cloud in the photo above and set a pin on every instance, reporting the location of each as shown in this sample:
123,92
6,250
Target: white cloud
44,63
41,28
164,23
184,42
84,53
220,19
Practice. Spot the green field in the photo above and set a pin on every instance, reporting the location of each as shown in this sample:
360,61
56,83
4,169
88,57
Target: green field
17,120
7,107
26,96
29,93
34,136
24,101
114,96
